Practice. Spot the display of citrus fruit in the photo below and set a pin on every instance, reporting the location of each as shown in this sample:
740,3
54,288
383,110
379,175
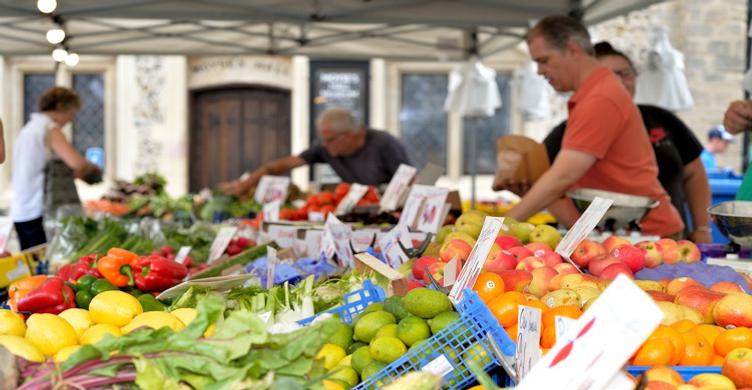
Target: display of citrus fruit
97,332
488,286
50,333
19,346
78,318
332,354
504,307
655,352
114,307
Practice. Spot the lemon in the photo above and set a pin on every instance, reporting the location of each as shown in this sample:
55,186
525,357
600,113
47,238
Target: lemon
332,385
413,330
361,358
78,318
372,369
11,323
347,375
369,324
186,315
19,346
63,354
387,349
332,354
346,361
387,330
50,333
154,320
96,332
114,307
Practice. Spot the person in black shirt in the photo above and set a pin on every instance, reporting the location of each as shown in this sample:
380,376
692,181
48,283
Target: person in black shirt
677,150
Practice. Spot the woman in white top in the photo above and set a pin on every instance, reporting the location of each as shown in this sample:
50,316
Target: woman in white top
38,140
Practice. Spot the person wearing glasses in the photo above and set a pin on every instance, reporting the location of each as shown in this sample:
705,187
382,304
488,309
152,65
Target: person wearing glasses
357,154
677,150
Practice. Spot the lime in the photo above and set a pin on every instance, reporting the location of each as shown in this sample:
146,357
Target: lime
426,303
412,330
386,330
11,323
374,307
361,358
19,346
355,346
343,336
154,320
63,354
394,305
78,318
370,323
346,374
332,354
186,315
387,349
50,333
442,320
96,332
114,307
371,369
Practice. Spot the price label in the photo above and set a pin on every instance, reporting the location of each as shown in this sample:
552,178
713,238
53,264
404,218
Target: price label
265,316
450,272
271,211
429,174
362,238
313,239
582,228
283,235
271,188
477,258
220,243
397,187
439,366
356,193
562,325
315,216
424,208
393,254
6,225
528,339
182,254
271,266
340,235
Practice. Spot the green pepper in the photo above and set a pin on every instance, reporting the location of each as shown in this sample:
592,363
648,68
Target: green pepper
135,292
84,282
100,286
149,303
83,298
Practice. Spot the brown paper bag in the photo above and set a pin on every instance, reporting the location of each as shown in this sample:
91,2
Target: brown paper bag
518,159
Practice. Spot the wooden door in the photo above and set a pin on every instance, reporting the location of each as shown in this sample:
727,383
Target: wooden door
236,130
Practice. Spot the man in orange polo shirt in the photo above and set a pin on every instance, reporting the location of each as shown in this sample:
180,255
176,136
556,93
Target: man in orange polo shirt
605,145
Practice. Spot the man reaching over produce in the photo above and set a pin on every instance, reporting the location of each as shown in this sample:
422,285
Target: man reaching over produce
605,145
357,154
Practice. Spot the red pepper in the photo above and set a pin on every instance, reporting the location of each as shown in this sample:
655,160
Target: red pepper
156,273
87,265
53,296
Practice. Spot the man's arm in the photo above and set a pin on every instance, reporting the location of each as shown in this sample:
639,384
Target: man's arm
277,167
738,116
569,167
697,190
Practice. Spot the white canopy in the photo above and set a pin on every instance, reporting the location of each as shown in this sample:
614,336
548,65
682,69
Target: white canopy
398,29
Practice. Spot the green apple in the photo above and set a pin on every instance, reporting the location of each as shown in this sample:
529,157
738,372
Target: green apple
472,230
522,231
462,236
470,219
443,232
546,234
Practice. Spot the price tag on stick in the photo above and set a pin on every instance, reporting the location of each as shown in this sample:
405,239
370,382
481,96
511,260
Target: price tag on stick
182,254
356,193
528,339
271,211
582,228
477,258
220,243
271,266
397,187
271,188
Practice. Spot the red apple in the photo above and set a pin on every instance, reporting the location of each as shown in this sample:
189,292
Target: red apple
535,247
733,309
540,284
516,280
507,241
613,242
412,283
419,266
455,248
738,367
598,264
699,298
688,251
551,259
613,270
503,261
674,286
653,254
520,252
586,251
727,288
565,268
630,255
669,250
530,263
660,296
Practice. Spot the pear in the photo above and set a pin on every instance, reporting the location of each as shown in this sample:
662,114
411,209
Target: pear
545,234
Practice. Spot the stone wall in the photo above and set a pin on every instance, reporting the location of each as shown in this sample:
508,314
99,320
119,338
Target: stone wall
712,36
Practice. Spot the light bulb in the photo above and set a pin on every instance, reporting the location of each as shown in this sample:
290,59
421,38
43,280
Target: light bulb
55,36
46,6
59,54
71,59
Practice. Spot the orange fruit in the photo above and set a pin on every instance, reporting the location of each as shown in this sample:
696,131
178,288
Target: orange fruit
488,286
504,307
549,317
697,350
537,304
548,337
710,332
655,352
683,325
673,335
717,360
512,332
732,338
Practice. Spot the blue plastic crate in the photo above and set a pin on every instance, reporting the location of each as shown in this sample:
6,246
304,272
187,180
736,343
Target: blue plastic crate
687,372
355,303
460,342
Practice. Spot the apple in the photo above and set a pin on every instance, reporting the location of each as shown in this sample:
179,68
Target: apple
546,234
503,261
551,259
542,276
555,283
530,263
598,264
676,285
460,235
586,251
688,251
521,230
443,232
470,229
562,297
664,374
507,241
495,250
613,242
455,248
671,312
419,266
630,255
587,293
738,367
710,380
700,299
649,285
520,252
538,248
653,254
516,280
669,249
412,283
565,268
470,218
733,309
727,288
437,272
660,296
614,270
660,385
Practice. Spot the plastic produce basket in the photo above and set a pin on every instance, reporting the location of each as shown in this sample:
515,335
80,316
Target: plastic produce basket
687,372
448,352
355,303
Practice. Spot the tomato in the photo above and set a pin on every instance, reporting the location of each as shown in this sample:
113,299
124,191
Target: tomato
325,198
341,190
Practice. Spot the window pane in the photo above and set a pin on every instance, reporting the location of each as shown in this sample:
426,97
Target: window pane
487,131
423,122
34,86
88,127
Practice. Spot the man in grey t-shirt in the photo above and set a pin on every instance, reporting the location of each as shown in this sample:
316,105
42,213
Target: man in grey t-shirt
357,154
